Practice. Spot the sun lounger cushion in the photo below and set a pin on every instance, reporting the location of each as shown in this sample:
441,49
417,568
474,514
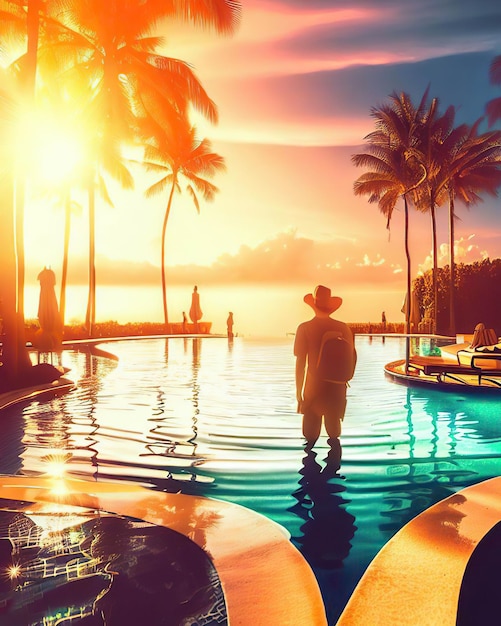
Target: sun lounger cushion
494,348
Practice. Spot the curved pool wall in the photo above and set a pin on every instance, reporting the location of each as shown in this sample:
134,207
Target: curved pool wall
209,417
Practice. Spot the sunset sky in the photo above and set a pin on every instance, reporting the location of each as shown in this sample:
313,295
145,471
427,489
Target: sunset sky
294,88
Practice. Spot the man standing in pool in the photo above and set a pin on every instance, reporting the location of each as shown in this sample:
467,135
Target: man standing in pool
325,361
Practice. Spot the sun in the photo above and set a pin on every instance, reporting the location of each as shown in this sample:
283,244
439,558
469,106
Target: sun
58,154
49,148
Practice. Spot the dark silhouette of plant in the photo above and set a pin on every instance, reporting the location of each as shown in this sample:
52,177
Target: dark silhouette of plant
394,171
108,57
470,167
493,107
475,285
178,154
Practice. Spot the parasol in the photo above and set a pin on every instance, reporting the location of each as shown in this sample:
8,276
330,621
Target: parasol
51,327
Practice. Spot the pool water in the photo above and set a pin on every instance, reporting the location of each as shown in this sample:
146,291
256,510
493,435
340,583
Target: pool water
209,417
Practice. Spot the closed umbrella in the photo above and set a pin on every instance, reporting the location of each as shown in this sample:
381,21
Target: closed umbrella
412,317
195,310
415,316
49,336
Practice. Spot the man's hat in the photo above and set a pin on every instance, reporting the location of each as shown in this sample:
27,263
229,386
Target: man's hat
322,300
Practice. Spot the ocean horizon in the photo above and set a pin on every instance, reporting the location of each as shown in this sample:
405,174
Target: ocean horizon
264,310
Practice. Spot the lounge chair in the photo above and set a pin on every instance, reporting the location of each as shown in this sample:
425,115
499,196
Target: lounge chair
484,342
481,365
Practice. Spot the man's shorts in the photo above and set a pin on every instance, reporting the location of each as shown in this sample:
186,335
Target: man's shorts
327,399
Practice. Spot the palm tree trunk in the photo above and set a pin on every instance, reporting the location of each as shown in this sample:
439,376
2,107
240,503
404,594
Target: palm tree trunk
8,289
435,263
32,23
15,355
20,196
90,318
408,296
164,231
64,273
452,273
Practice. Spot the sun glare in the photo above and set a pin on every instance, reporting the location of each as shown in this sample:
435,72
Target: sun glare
49,150
59,155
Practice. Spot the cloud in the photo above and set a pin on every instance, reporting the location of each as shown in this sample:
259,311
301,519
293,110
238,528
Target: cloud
307,73
465,251
283,259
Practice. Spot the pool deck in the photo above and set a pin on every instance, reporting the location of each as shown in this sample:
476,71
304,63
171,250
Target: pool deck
264,577
27,394
416,577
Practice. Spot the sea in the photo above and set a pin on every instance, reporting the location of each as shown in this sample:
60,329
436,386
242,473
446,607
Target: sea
259,310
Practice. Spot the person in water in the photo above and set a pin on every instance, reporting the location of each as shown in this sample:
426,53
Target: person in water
325,361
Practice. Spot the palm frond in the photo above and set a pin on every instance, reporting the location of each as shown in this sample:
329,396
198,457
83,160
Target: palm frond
223,15
159,187
493,110
495,71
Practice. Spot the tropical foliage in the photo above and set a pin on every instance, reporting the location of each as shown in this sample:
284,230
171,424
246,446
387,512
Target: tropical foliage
455,163
493,107
176,154
475,285
104,61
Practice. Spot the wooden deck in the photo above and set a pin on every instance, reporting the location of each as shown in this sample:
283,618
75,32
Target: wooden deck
444,374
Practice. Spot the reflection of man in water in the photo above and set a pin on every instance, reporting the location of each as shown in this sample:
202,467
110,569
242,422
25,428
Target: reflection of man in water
328,527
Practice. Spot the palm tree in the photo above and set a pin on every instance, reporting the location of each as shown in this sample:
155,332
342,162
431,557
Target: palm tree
471,167
493,107
16,22
436,139
177,155
8,282
107,50
394,172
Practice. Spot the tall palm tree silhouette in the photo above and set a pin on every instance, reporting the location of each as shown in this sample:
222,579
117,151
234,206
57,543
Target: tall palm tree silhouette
177,154
105,53
108,57
394,172
470,166
15,20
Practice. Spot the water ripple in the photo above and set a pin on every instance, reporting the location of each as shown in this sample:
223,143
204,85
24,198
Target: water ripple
207,417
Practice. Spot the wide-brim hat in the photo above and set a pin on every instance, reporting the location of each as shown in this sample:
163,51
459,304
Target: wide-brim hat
322,300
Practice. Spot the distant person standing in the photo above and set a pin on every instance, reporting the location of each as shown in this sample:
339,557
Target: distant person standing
195,310
325,361
229,325
185,322
383,320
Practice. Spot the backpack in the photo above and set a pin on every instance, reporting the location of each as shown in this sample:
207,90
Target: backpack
336,359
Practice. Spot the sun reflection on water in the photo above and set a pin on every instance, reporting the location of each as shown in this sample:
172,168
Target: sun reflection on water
198,417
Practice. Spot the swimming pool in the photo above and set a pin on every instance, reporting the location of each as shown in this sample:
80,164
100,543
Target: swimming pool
213,418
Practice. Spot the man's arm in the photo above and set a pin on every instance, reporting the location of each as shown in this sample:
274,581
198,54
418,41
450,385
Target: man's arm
300,373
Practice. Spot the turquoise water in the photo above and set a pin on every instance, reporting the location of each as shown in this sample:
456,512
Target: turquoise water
207,417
